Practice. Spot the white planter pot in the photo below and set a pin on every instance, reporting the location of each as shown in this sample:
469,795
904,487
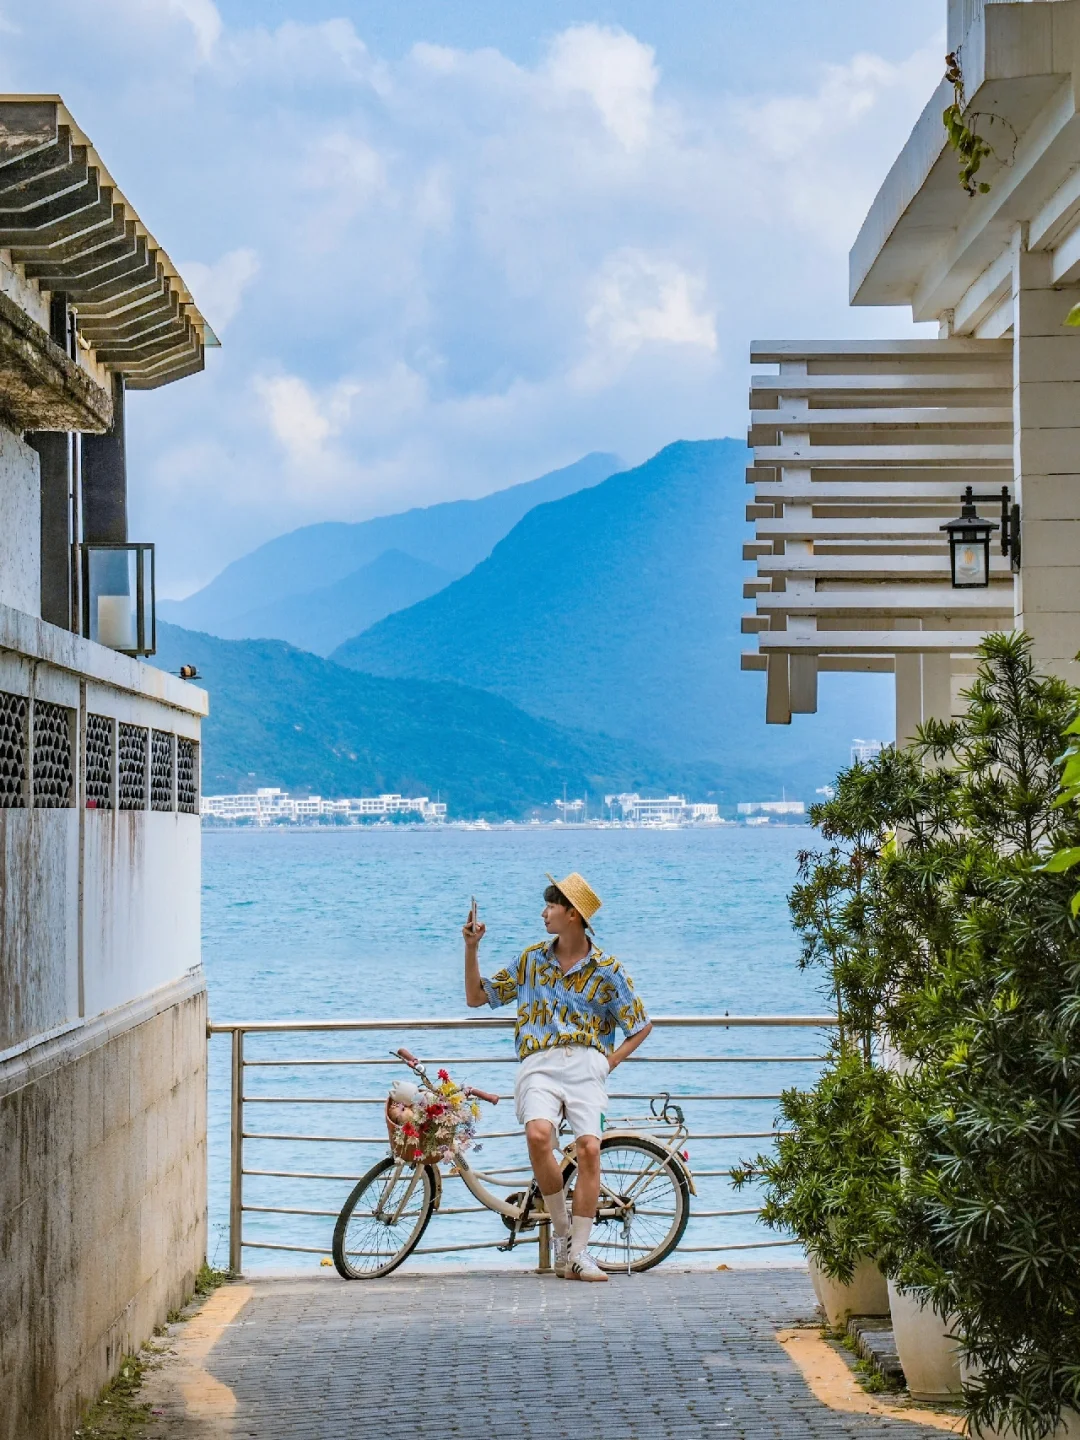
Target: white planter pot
930,1360
1068,1428
866,1295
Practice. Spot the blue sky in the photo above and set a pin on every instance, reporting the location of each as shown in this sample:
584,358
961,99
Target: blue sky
451,246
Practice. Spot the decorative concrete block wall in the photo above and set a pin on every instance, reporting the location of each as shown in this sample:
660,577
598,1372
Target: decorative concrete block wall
102,1201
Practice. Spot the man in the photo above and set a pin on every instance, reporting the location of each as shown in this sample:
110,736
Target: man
570,998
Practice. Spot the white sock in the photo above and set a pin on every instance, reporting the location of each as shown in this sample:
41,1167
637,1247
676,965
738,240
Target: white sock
555,1205
580,1230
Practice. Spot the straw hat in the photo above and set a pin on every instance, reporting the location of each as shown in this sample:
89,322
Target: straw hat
581,895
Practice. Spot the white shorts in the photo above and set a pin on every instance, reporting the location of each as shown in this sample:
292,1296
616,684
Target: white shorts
566,1081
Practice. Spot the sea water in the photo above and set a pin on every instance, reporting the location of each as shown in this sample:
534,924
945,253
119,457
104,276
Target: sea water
365,923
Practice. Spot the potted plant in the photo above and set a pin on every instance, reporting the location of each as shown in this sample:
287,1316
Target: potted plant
828,1178
832,1177
988,1219
943,914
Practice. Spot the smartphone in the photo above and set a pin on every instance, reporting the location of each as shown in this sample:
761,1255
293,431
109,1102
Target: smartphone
472,913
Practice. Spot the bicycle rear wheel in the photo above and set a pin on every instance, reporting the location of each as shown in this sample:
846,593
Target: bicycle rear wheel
382,1221
644,1204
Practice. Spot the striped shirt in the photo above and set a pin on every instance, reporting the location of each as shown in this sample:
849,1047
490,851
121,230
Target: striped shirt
582,1007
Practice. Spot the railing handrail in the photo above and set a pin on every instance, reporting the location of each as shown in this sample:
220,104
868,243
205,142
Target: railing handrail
238,1030
501,1022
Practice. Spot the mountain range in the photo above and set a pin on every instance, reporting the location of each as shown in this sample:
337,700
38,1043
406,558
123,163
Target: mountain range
321,584
280,716
617,609
319,620
594,644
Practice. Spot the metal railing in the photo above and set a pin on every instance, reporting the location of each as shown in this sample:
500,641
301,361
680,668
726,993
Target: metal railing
266,1151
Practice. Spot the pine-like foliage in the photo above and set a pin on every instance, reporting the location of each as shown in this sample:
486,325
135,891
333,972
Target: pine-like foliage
946,937
990,1224
832,1177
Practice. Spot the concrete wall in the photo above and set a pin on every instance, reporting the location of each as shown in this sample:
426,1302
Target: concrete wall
97,906
142,885
102,1031
102,1202
20,525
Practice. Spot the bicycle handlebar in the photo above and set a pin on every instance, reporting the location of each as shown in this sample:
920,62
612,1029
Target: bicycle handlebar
410,1059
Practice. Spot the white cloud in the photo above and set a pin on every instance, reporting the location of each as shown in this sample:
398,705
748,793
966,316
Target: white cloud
201,17
307,422
819,155
639,301
300,55
470,269
298,421
218,289
617,73
204,19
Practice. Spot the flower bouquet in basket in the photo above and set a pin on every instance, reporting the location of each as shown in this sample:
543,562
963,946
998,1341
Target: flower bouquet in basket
427,1126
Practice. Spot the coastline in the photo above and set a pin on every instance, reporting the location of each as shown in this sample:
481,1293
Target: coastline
217,827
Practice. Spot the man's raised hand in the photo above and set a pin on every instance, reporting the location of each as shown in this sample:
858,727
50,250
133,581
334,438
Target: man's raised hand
473,930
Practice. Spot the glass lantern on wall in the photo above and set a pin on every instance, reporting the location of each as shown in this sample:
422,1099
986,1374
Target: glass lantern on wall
969,546
118,597
970,535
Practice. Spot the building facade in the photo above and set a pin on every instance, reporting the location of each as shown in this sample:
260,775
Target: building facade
672,809
273,806
102,1002
863,450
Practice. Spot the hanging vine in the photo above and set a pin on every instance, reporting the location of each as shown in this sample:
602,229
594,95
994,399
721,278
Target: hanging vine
970,146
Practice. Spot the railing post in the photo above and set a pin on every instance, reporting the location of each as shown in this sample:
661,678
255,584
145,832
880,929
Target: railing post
544,1262
236,1154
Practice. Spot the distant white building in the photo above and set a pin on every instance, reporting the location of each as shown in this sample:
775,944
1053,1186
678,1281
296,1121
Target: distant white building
270,806
766,808
863,751
570,809
672,809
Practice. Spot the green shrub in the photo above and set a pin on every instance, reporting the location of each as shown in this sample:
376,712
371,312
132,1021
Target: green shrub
989,1224
941,917
831,1176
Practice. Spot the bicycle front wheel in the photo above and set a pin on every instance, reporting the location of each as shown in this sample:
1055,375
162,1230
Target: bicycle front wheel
644,1204
382,1221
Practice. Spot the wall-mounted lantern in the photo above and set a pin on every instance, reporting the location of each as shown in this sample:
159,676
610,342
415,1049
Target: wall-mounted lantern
970,535
118,593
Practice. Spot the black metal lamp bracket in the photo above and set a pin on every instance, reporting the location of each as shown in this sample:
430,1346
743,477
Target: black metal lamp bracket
1010,519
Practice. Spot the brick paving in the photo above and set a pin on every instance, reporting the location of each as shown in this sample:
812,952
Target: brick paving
517,1356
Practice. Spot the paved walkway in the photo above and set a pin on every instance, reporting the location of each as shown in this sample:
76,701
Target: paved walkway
490,1356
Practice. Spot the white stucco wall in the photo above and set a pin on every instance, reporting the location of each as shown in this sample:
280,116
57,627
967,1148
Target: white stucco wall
20,525
141,911
98,907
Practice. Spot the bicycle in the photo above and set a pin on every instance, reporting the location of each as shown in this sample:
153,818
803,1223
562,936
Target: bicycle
644,1206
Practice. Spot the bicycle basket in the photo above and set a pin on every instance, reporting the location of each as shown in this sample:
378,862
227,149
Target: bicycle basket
431,1127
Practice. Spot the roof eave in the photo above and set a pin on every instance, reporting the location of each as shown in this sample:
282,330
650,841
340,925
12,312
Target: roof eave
1015,57
65,117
